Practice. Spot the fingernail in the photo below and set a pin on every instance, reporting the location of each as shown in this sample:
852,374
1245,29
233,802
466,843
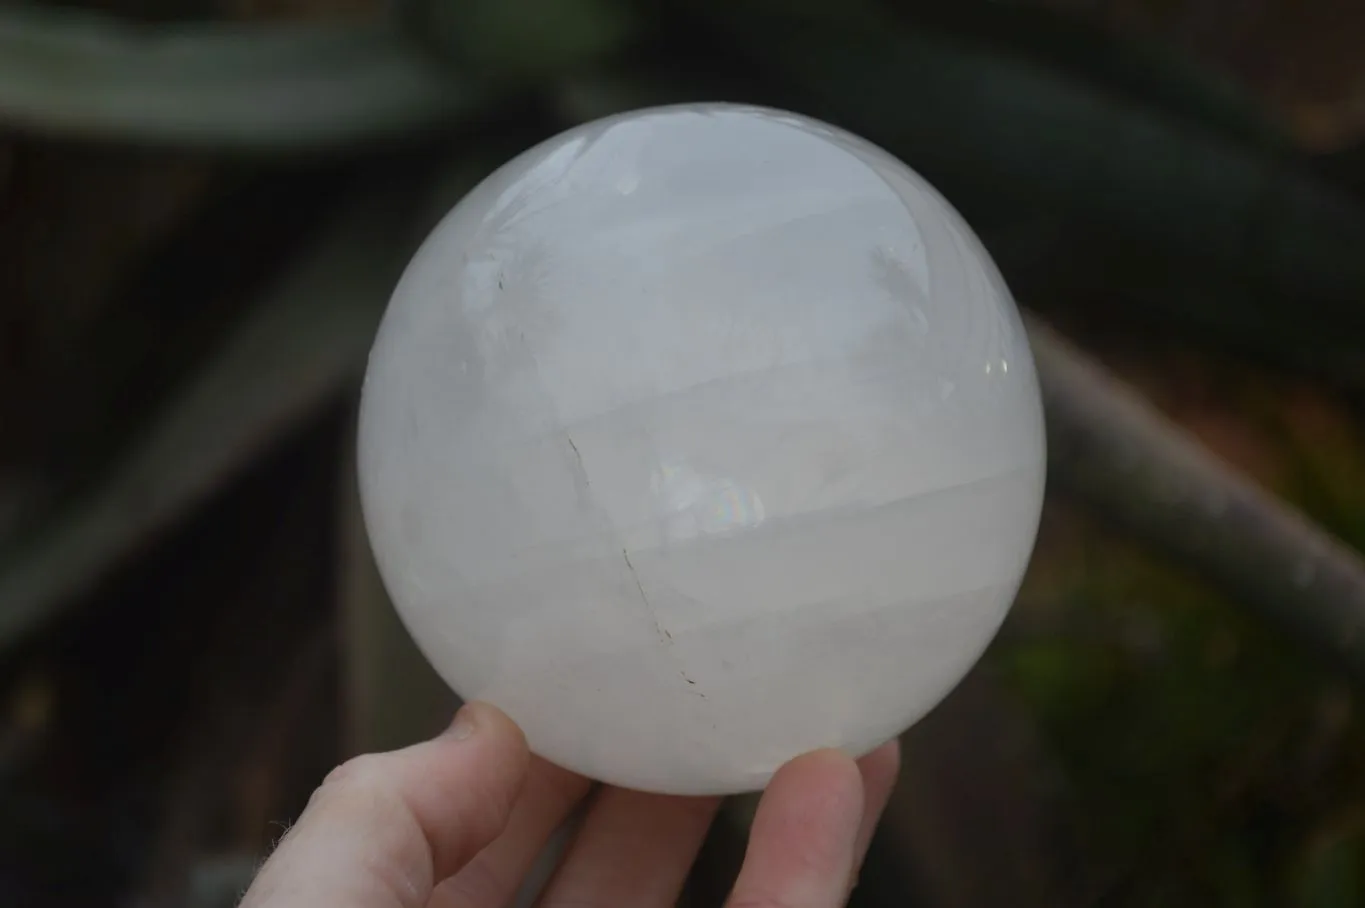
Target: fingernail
463,726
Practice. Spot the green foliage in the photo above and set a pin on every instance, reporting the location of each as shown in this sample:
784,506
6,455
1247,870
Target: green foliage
1331,872
1206,753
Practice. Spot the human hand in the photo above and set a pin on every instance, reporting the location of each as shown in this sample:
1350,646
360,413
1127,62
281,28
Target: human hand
459,821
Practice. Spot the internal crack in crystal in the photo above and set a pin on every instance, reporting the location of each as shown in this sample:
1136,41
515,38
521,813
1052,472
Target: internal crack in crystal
580,474
664,635
578,456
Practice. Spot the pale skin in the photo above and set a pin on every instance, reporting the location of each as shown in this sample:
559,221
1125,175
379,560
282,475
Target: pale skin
458,822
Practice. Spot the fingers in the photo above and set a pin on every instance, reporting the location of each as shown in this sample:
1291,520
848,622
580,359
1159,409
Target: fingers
633,849
802,845
496,874
879,770
383,828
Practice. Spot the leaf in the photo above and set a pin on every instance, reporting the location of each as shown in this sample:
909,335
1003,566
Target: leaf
1144,71
1018,136
520,41
304,343
1163,295
245,88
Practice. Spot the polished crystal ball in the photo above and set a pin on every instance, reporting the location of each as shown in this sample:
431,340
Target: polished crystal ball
699,437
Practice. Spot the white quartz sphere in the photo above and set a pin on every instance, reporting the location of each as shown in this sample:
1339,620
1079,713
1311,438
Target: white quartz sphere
699,437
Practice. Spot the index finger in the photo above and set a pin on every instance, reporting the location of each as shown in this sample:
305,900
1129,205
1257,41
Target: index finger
383,829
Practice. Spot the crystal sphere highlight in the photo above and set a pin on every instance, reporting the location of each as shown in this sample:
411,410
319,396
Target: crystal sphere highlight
699,437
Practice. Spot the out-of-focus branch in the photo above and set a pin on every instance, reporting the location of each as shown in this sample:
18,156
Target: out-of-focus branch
1127,463
224,86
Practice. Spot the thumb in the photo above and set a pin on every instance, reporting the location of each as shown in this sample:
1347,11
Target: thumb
383,829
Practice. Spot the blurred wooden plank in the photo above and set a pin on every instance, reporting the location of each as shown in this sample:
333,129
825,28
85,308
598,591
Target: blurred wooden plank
303,344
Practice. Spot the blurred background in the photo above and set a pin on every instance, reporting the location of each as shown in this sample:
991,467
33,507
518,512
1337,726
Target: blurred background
204,206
